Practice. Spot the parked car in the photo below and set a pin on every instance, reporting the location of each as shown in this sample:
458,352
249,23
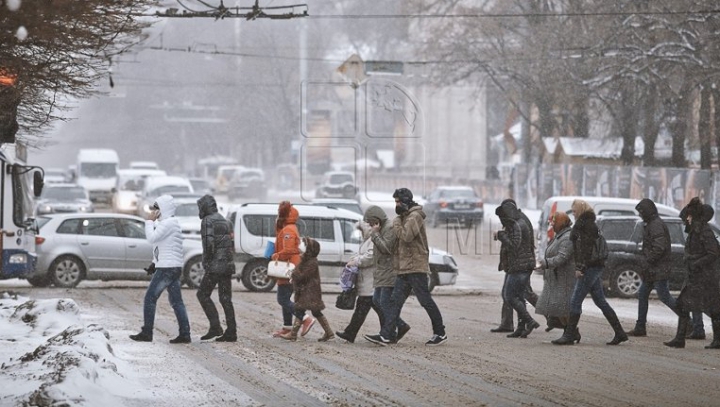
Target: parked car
349,204
624,235
63,198
254,227
100,246
188,214
130,183
55,176
450,205
160,185
602,206
247,183
225,173
337,184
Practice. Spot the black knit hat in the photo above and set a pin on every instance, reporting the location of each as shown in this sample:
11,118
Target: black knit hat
403,194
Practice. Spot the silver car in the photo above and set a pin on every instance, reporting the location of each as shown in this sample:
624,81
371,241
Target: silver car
100,246
63,198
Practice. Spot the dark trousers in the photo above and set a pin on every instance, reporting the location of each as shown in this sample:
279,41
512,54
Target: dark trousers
224,284
418,283
506,314
363,305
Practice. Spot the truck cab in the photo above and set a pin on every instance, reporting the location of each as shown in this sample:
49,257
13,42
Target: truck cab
97,172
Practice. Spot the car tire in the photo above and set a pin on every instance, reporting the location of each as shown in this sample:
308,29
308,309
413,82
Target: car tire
255,278
193,272
40,281
625,281
66,271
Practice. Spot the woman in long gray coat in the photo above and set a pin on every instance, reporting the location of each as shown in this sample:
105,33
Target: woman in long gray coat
558,270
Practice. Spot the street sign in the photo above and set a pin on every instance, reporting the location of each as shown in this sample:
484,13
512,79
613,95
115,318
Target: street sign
353,70
384,67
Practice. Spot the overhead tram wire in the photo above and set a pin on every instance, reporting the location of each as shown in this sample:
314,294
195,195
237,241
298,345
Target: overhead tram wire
474,15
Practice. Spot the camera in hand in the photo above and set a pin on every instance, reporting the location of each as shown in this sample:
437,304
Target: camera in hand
150,269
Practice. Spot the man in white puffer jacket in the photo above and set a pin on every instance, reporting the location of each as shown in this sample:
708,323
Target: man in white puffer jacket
163,231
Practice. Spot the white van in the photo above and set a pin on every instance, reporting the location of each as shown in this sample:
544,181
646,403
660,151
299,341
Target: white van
601,205
97,172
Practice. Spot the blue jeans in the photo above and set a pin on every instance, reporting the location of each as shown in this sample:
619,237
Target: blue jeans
165,278
590,282
382,297
514,293
663,291
284,293
418,283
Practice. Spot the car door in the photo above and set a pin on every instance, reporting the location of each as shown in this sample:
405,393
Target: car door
138,251
352,238
101,244
327,232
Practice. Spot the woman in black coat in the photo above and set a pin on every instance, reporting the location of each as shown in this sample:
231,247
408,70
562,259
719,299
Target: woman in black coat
588,272
701,292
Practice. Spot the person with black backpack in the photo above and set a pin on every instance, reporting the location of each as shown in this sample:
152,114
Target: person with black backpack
590,252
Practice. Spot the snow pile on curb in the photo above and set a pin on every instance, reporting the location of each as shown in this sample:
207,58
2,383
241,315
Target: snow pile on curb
49,357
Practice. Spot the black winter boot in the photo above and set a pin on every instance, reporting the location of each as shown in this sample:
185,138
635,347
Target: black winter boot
506,319
679,340
571,334
620,335
519,330
529,327
716,334
639,330
212,332
228,336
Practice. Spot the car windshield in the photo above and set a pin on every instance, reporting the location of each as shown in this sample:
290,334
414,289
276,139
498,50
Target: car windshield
341,205
200,185
457,193
63,193
340,178
98,170
168,189
250,175
134,183
187,209
41,221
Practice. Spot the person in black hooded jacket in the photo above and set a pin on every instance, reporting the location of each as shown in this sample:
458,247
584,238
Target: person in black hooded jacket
517,259
588,271
656,270
218,262
702,287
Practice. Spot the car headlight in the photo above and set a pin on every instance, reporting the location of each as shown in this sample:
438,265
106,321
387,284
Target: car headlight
18,258
44,209
84,209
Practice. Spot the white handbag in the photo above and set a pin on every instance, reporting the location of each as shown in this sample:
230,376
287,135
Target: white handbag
280,269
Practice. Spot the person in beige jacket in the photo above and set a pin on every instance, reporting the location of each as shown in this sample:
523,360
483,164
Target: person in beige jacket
411,260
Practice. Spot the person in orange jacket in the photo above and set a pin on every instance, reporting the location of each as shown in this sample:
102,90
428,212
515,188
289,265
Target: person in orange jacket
287,248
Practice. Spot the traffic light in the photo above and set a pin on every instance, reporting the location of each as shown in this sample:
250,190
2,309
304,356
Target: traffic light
9,101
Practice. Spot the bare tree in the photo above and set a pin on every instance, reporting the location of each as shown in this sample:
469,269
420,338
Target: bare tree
59,49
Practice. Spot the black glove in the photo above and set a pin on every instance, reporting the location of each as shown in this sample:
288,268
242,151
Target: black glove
150,269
